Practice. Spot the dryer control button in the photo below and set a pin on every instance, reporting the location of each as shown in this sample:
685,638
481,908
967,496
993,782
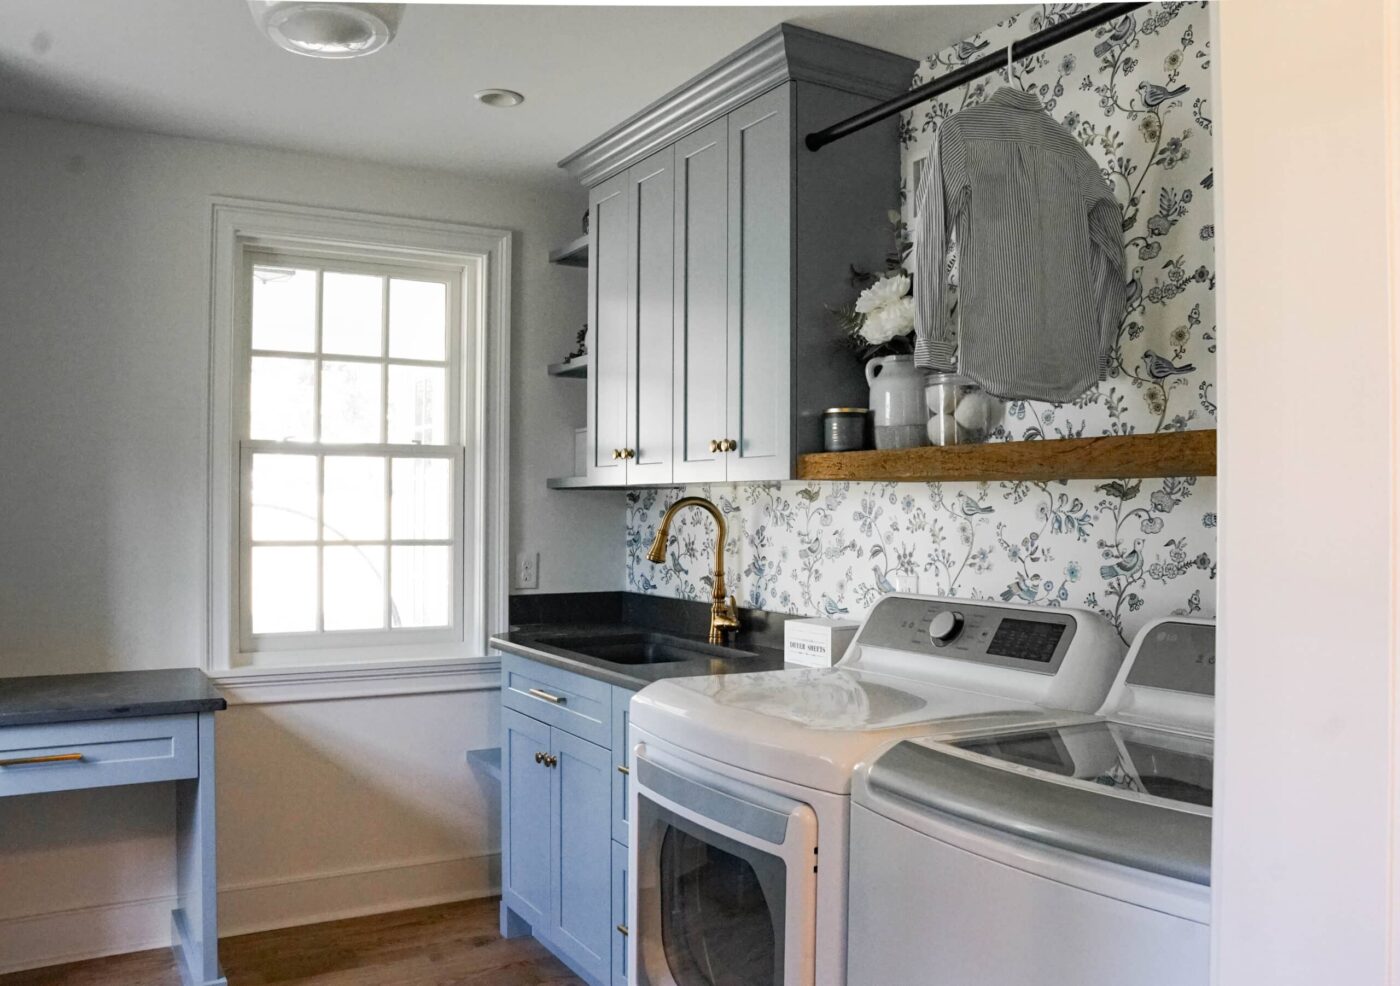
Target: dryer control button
945,626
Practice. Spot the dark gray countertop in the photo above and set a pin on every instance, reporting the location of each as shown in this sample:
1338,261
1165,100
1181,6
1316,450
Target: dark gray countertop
106,695
535,642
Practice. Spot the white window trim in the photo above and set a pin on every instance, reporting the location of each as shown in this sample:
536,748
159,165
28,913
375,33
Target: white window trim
484,256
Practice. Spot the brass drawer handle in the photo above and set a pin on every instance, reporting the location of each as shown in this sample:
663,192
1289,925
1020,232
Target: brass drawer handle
51,758
622,769
556,699
622,930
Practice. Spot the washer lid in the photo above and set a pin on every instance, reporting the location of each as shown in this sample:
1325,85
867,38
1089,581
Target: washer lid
809,726
1126,794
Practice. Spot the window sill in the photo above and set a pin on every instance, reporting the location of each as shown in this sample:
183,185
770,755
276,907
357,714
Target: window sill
255,685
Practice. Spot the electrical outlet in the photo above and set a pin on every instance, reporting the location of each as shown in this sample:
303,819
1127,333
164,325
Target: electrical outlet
905,581
527,570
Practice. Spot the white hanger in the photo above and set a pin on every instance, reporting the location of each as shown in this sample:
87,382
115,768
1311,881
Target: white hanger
1010,67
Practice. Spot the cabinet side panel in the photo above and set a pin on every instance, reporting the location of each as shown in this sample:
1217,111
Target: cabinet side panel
845,193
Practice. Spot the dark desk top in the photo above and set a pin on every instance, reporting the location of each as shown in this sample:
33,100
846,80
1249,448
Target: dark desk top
106,695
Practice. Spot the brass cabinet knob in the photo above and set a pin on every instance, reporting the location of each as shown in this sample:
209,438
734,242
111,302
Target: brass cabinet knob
617,453
551,761
629,453
728,445
715,443
539,757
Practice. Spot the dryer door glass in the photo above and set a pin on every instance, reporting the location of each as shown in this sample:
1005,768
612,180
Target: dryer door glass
720,922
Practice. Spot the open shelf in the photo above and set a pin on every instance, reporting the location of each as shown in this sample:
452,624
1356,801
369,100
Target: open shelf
571,254
488,760
1180,453
575,369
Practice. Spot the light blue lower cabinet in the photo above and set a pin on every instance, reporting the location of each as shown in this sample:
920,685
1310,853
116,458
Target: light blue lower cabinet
621,923
525,842
563,847
582,839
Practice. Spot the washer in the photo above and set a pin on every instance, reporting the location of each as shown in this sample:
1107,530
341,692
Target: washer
1070,852
740,794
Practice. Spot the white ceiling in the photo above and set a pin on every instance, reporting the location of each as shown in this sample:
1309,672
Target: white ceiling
199,68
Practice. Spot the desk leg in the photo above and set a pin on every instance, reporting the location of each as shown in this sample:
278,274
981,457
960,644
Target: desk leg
195,925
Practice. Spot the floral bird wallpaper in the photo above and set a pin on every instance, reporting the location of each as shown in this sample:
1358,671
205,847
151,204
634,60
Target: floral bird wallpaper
1136,93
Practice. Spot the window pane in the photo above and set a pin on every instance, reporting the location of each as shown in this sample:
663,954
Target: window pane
421,499
284,590
422,584
354,501
350,402
352,314
282,399
284,309
417,319
417,405
284,497
354,587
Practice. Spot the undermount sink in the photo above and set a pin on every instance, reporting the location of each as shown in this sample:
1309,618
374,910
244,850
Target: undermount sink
644,648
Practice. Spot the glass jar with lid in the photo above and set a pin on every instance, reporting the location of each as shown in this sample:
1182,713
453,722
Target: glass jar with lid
960,412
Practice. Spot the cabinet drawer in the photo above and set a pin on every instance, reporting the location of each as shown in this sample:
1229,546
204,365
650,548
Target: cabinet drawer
571,702
97,754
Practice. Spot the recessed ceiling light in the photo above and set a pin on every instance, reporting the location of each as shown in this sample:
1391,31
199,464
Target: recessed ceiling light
499,98
327,30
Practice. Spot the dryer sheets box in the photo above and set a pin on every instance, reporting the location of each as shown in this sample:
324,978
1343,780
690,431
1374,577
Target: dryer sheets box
818,642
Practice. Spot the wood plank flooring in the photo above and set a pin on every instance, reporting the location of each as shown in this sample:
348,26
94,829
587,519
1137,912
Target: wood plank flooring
446,945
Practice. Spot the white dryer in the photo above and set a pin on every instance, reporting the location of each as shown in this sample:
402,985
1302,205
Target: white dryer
740,794
1071,853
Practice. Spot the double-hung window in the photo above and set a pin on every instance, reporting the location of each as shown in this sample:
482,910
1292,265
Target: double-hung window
350,454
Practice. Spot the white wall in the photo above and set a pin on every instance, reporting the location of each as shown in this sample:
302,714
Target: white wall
1305,761
104,361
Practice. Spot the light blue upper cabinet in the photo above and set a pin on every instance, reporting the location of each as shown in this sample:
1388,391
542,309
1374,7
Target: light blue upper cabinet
651,224
763,236
758,436
700,402
608,318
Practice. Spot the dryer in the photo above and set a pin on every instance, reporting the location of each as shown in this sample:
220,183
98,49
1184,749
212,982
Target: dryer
741,783
1074,852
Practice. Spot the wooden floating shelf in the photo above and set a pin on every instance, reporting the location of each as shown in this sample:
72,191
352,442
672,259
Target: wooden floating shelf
574,370
1177,453
572,254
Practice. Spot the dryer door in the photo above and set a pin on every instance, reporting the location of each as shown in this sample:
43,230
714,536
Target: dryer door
725,881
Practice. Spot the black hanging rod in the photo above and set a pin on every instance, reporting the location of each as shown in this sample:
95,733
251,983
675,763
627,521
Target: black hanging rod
1051,36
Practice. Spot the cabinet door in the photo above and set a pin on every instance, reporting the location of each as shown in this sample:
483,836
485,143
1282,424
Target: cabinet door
525,839
651,223
621,926
701,302
582,850
621,700
760,288
607,330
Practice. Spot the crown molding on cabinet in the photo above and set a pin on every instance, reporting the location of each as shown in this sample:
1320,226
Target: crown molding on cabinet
784,54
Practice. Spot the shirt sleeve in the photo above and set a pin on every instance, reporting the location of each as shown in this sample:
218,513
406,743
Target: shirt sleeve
1110,265
934,345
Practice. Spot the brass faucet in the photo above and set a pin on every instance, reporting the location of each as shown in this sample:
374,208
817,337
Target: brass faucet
724,614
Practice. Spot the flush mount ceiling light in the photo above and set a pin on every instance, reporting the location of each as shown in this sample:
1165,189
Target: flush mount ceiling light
327,30
499,98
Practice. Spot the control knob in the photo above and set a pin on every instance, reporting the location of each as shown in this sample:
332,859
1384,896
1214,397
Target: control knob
945,626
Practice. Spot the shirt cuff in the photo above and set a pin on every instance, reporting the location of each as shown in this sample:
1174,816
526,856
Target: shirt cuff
932,355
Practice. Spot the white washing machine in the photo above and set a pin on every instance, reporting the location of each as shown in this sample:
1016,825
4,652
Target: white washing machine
741,783
1073,853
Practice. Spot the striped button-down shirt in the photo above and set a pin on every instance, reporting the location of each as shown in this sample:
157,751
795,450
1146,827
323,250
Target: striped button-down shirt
1041,283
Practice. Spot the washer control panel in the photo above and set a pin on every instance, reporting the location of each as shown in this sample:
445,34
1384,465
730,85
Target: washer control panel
1022,637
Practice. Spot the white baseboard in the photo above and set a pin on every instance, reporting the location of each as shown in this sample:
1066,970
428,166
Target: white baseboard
115,928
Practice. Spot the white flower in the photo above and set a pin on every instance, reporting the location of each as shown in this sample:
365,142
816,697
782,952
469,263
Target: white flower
888,321
882,292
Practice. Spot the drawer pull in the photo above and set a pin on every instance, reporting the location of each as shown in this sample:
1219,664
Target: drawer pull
556,699
622,769
51,758
622,930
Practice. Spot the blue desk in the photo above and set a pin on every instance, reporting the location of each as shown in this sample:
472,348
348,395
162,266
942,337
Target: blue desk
67,732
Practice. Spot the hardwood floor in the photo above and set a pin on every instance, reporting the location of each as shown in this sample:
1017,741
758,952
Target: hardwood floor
446,945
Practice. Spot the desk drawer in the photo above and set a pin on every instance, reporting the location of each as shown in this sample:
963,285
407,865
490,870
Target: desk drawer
578,705
97,754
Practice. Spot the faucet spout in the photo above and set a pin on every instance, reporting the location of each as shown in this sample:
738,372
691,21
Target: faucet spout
724,614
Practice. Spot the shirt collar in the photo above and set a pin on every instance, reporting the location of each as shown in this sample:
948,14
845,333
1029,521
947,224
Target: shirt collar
1016,99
